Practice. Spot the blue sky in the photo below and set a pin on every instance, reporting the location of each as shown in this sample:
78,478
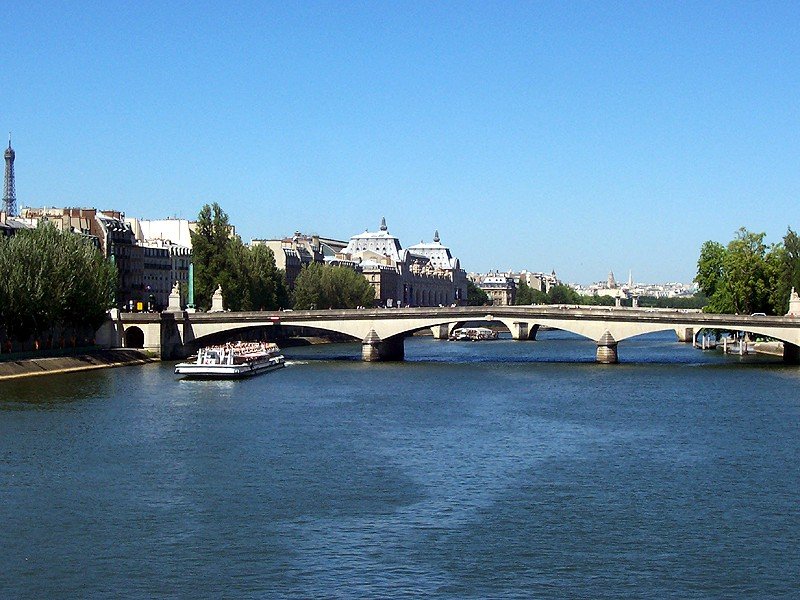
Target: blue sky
579,137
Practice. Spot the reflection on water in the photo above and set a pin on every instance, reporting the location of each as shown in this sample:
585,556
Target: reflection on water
47,391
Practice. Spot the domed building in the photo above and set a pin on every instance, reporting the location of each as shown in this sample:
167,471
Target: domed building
421,275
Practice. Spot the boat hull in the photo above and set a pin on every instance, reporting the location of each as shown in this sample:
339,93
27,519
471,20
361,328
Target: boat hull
195,371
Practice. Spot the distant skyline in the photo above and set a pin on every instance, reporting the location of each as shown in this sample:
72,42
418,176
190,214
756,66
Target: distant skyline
580,137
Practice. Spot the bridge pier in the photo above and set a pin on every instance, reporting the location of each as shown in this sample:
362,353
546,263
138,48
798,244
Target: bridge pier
374,349
685,334
607,350
791,354
442,332
522,330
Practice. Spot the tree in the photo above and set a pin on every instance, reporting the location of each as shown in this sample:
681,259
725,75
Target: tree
325,286
744,270
783,269
53,280
236,276
90,289
778,276
563,294
210,253
538,297
745,276
524,293
699,300
267,283
249,277
263,280
711,278
476,296
791,244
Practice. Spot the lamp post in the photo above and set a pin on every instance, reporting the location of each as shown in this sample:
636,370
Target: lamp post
190,300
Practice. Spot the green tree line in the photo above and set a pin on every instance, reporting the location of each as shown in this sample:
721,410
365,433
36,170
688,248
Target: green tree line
53,281
746,276
558,294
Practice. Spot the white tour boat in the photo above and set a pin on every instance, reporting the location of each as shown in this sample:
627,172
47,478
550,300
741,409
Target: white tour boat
472,334
230,361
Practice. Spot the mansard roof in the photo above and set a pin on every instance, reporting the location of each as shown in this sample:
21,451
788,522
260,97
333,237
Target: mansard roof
380,242
438,253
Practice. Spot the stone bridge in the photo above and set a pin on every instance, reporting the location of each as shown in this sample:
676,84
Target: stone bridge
381,331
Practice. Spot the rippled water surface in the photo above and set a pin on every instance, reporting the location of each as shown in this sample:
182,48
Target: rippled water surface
486,470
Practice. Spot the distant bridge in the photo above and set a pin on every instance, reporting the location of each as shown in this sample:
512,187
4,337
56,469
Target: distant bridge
381,331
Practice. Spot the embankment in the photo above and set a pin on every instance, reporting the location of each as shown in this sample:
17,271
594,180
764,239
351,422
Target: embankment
772,348
98,359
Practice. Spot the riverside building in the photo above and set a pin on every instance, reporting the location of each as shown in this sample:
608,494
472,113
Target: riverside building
500,287
421,275
167,248
293,253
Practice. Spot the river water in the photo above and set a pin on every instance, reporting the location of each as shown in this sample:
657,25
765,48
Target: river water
471,470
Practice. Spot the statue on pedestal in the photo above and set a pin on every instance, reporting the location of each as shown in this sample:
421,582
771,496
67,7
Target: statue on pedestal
216,301
794,304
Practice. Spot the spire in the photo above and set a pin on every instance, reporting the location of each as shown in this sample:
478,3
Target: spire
383,224
9,194
436,236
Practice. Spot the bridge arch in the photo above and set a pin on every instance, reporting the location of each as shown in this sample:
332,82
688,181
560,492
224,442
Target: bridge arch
220,335
134,337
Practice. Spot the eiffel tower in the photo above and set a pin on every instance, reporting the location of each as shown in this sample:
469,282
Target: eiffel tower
9,195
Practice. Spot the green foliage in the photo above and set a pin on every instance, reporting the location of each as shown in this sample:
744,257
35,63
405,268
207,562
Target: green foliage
476,296
778,278
210,254
563,294
524,293
597,300
709,267
325,286
538,297
791,245
697,301
711,277
745,272
267,283
559,294
52,279
248,276
746,276
235,277
783,266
